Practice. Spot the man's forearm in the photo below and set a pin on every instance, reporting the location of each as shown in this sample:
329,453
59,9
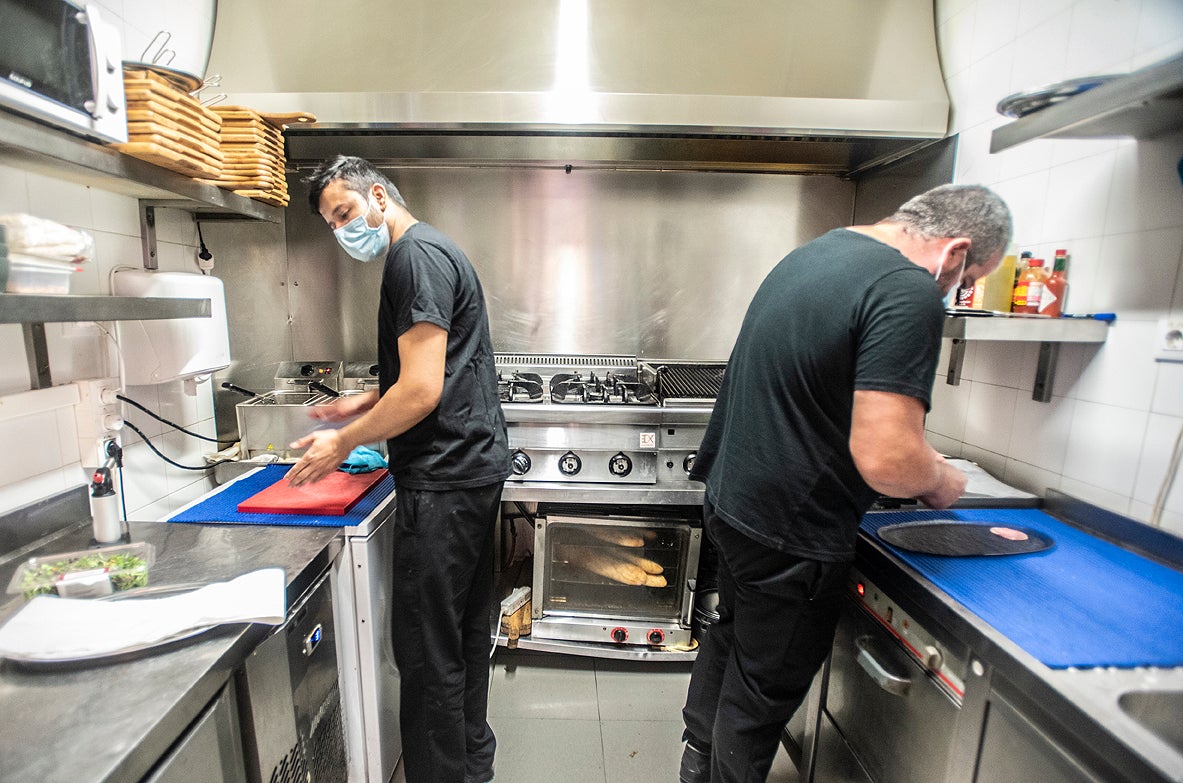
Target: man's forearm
394,413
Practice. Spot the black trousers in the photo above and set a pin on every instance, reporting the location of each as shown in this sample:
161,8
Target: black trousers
777,615
443,589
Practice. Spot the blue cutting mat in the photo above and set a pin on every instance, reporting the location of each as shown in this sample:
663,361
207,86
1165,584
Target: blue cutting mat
1084,603
223,507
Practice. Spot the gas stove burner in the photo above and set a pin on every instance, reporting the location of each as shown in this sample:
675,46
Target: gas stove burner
609,390
519,387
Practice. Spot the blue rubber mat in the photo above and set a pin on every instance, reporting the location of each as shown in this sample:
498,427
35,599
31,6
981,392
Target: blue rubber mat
223,507
1083,603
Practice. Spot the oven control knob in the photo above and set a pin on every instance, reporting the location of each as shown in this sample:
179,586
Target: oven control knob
656,636
570,464
520,463
619,635
688,463
620,465
307,370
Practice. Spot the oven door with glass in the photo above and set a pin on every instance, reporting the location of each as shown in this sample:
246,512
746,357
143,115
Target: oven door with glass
621,579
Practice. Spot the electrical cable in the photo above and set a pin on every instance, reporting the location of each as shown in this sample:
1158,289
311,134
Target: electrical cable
174,425
158,453
1164,491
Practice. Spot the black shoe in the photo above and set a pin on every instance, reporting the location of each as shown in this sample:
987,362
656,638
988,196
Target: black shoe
696,765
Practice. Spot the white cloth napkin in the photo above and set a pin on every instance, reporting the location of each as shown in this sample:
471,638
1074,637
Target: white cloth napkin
49,628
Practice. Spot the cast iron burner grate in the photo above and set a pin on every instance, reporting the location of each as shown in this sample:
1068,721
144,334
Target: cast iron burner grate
519,387
607,390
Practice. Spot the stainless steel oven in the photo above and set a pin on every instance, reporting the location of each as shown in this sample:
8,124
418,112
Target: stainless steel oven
615,575
62,63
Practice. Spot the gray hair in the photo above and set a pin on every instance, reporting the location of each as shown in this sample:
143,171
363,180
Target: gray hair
969,211
358,174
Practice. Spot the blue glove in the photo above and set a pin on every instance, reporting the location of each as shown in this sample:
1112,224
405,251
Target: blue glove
363,460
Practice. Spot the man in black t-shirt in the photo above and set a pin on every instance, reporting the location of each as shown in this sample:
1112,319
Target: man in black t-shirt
438,410
822,409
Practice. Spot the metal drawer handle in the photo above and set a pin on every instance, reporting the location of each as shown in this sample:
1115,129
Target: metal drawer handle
889,682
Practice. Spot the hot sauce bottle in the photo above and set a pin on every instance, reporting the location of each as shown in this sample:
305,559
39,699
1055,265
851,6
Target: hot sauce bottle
1052,301
1029,288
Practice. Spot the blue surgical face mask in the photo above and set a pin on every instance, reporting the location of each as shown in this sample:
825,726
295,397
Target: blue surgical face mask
361,240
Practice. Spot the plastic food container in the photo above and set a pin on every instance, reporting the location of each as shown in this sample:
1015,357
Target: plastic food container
85,574
32,275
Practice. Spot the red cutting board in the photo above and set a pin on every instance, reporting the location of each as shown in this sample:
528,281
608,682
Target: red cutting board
333,495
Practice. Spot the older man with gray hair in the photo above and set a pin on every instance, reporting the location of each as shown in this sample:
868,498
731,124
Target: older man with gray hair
822,409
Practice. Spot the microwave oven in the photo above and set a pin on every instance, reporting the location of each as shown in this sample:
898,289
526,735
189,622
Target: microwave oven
62,64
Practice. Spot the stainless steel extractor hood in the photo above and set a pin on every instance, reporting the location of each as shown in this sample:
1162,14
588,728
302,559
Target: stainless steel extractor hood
815,86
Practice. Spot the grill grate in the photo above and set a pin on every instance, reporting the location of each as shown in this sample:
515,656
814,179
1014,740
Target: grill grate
689,381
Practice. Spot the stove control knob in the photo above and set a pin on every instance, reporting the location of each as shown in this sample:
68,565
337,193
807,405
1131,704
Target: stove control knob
688,463
620,465
656,636
932,657
520,463
570,464
619,635
307,370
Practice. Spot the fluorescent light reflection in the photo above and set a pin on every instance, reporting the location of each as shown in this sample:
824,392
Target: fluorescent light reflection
571,99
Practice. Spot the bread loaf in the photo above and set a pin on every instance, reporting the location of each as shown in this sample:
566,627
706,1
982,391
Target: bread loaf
620,567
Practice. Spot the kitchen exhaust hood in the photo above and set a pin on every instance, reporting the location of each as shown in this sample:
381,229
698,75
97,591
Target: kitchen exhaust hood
800,86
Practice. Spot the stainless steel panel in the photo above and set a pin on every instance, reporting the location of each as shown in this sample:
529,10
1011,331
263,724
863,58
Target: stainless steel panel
899,735
835,761
591,262
545,465
268,424
1014,748
210,751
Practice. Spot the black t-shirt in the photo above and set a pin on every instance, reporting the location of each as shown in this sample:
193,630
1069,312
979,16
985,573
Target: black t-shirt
841,313
462,443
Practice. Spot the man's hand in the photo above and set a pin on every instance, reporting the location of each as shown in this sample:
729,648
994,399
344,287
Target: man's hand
326,452
951,487
345,407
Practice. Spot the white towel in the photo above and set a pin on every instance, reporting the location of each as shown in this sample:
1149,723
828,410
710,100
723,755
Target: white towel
49,628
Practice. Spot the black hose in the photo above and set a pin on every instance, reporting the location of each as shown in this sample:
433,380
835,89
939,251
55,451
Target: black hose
174,425
158,453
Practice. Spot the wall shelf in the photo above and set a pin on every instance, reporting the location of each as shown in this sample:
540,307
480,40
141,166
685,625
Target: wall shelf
1143,104
1050,333
39,308
37,147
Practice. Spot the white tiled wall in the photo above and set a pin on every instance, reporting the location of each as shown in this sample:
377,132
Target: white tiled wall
1117,206
43,454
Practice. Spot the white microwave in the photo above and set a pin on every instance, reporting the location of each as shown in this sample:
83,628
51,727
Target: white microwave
61,63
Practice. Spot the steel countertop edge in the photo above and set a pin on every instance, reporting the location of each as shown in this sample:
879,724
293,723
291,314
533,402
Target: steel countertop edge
1083,701
113,722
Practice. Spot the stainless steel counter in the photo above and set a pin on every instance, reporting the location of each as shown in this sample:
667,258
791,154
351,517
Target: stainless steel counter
1078,706
112,722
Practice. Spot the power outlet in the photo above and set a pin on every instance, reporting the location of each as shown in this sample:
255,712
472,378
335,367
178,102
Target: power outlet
1170,341
97,418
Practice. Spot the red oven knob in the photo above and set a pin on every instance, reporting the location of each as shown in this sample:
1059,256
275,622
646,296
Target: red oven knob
656,636
619,635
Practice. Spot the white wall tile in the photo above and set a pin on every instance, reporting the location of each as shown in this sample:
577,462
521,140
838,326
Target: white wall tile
1146,191
996,23
149,397
1043,49
1076,198
30,490
55,199
1170,522
989,82
1005,364
191,492
1160,23
1027,199
1162,433
945,9
990,417
14,190
143,476
1147,294
36,447
974,162
1028,158
1101,37
150,512
949,407
950,447
176,406
114,213
1123,371
1030,478
75,352
1168,389
1091,493
990,461
67,435
1034,13
1040,434
1104,446
14,376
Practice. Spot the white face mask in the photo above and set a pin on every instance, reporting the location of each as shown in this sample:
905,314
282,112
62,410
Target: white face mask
361,240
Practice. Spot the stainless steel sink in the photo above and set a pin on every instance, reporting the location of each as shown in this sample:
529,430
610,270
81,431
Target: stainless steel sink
1159,712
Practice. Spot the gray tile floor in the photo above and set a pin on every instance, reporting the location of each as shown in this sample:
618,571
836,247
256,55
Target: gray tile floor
569,719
